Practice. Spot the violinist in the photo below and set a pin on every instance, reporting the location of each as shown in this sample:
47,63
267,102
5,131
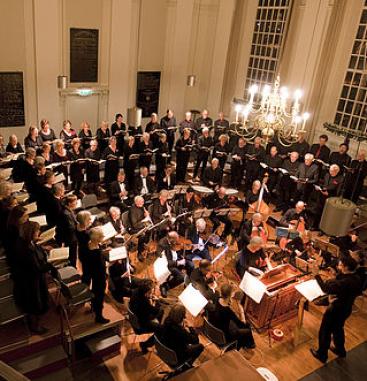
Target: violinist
295,217
252,258
199,247
213,175
167,246
301,247
187,203
137,213
168,179
202,279
253,228
217,201
205,143
161,210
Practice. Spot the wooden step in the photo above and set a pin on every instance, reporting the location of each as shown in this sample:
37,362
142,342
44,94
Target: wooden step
42,363
59,375
9,311
106,344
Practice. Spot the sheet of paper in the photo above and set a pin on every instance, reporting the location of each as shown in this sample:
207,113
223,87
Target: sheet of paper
108,231
310,289
58,254
193,300
17,187
59,178
40,219
47,235
160,269
117,253
31,208
252,287
6,173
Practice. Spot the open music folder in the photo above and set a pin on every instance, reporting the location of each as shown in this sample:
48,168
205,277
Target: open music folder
252,287
310,289
117,253
193,300
47,235
108,231
58,254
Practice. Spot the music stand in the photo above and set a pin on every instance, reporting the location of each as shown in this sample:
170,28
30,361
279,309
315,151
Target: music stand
202,213
252,287
193,300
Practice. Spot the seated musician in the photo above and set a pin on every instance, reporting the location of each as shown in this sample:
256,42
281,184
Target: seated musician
161,210
287,187
252,258
114,216
238,162
217,201
119,191
300,247
253,194
137,213
252,228
186,204
183,341
347,243
295,217
123,284
176,262
205,143
221,150
148,311
213,175
200,248
144,184
203,280
168,179
224,318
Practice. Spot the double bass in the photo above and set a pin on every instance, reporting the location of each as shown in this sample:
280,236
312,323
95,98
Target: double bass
260,206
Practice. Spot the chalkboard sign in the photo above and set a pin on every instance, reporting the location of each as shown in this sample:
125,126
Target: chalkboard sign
147,91
11,99
83,55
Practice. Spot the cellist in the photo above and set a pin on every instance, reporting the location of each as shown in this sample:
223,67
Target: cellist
252,228
295,218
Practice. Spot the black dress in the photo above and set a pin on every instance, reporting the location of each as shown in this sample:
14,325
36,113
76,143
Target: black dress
85,138
76,169
183,152
102,138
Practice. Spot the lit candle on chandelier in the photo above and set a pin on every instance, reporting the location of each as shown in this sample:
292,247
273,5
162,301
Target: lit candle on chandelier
305,117
253,89
238,109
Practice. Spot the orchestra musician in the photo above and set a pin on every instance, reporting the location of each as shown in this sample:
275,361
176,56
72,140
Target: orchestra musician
295,217
137,213
119,191
256,154
184,146
200,246
252,258
221,126
176,262
221,150
103,135
203,280
67,133
145,151
85,135
287,188
118,129
152,127
187,203
300,246
160,210
143,184
342,290
238,163
252,228
183,340
114,216
46,133
216,201
205,144
224,318
168,124
168,179
111,155
147,310
213,175
308,175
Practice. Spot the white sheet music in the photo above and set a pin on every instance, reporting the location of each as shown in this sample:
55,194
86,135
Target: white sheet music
252,287
39,219
47,235
59,178
17,187
310,289
193,300
160,269
6,173
31,208
58,254
117,253
108,231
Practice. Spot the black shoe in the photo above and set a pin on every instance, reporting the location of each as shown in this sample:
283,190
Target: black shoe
143,348
317,356
101,320
338,353
163,291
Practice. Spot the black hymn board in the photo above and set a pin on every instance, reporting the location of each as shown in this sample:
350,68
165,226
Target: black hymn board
147,91
83,55
11,99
